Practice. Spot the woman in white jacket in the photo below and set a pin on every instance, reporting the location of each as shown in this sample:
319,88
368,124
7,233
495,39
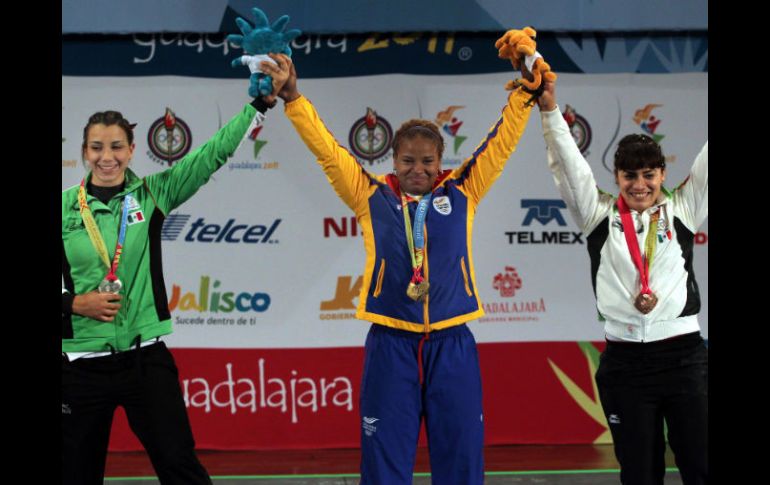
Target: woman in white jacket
655,365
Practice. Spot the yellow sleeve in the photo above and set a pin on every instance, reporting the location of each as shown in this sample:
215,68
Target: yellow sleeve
480,170
347,176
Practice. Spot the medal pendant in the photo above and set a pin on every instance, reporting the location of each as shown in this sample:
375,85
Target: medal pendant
418,292
107,286
645,302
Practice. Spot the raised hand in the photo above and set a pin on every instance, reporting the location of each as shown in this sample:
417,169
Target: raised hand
284,77
547,100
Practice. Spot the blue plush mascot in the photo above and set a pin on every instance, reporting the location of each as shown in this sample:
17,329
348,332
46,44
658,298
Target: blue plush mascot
257,41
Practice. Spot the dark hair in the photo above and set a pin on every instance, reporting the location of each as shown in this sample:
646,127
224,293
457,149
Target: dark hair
413,128
109,118
638,152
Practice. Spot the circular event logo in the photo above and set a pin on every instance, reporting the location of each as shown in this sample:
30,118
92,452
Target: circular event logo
370,148
180,141
581,132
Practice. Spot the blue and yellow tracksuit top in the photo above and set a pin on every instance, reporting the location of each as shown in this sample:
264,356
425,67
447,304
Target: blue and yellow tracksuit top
376,201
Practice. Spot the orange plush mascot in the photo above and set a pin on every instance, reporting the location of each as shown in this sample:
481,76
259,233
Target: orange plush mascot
518,46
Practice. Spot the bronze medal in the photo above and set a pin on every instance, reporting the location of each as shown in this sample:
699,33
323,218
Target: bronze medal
645,302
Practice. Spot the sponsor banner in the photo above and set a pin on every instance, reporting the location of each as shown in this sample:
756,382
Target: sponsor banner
343,55
229,232
308,398
273,258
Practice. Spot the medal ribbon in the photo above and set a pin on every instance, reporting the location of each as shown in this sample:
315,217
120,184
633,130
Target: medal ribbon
96,236
415,238
651,240
629,231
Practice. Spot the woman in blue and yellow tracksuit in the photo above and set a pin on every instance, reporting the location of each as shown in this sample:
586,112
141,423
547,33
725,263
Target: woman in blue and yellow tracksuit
421,359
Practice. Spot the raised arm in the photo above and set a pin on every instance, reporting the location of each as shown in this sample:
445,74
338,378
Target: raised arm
693,193
174,186
480,170
571,172
349,179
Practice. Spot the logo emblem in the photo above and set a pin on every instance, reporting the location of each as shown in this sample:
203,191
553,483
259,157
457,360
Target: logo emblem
442,205
172,226
451,125
135,217
368,425
648,122
169,139
370,137
347,290
133,204
544,211
508,282
579,127
258,144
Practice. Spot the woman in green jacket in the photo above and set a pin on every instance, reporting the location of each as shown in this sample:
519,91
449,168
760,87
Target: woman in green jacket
114,304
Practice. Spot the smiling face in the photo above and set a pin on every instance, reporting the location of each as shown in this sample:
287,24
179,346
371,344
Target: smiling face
107,152
417,149
417,165
640,170
640,188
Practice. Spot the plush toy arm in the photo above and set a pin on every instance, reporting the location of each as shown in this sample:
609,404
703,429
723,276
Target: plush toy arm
541,72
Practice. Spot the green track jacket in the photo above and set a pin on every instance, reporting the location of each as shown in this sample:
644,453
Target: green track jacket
144,307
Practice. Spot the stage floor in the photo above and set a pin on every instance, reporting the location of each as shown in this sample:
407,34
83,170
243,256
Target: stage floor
530,464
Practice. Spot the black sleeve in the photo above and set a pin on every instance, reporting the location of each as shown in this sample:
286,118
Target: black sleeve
66,303
261,106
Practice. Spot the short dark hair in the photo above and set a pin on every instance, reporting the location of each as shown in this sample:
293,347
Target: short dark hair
109,118
416,127
638,152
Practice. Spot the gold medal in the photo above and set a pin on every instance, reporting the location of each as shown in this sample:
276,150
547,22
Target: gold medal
419,291
645,302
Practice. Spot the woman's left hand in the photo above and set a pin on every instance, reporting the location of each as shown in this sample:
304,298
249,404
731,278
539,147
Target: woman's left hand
284,78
